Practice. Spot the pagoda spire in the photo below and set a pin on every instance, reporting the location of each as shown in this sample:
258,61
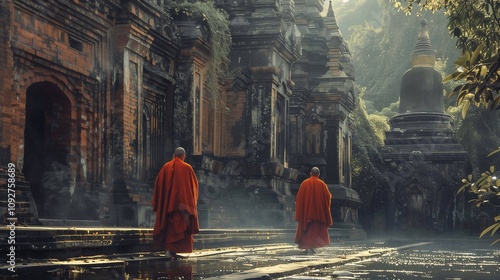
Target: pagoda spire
330,10
335,44
423,55
422,85
331,19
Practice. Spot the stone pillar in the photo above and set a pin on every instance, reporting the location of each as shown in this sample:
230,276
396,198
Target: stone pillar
190,74
260,131
132,41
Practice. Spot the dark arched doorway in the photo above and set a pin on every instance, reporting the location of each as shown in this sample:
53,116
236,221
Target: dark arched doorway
47,138
415,209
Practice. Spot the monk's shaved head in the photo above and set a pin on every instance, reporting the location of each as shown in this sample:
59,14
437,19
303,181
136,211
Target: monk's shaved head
315,171
179,152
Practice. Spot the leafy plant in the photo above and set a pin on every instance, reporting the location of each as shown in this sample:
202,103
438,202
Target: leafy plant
367,162
481,81
220,40
486,188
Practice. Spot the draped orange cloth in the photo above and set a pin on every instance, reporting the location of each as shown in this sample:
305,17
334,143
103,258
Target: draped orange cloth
175,200
312,211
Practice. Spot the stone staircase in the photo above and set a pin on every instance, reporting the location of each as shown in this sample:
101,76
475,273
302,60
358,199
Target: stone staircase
25,212
41,242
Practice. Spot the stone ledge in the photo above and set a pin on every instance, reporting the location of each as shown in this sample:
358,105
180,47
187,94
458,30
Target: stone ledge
39,242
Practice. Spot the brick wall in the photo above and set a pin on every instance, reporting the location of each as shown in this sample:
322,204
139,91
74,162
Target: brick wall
5,78
234,136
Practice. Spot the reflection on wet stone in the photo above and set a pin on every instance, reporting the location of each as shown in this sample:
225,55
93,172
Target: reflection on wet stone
461,259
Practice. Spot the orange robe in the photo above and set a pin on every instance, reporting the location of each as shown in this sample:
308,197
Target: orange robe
175,199
312,211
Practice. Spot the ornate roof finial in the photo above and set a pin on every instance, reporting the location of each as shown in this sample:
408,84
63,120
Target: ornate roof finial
330,10
331,21
423,55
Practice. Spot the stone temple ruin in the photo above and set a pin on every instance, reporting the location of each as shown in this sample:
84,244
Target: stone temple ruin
424,159
95,96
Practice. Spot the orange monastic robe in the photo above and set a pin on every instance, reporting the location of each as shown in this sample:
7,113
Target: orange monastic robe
312,211
175,199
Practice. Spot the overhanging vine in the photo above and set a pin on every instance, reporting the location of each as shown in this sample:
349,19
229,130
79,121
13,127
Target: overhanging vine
220,37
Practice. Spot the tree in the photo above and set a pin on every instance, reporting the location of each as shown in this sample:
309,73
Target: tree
367,162
220,36
476,25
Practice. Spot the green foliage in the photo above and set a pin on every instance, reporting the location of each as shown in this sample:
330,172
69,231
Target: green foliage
480,81
479,135
379,125
220,37
366,160
486,189
391,111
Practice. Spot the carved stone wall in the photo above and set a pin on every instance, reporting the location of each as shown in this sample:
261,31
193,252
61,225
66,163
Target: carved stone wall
97,94
87,101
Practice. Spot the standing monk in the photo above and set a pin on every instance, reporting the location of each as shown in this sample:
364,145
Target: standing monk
312,211
174,200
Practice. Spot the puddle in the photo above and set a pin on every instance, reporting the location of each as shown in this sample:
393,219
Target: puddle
449,261
192,268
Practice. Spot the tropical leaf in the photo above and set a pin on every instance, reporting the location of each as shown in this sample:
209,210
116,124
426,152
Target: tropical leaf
488,229
495,229
483,72
494,152
475,54
462,188
495,104
466,58
451,76
465,108
491,60
456,90
461,61
461,75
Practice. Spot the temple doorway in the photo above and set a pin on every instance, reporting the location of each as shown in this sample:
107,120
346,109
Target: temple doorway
47,138
415,210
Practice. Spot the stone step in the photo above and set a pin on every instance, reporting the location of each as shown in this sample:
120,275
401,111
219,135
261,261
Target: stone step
23,209
57,242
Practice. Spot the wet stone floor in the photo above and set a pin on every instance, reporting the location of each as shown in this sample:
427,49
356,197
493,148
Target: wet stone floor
454,260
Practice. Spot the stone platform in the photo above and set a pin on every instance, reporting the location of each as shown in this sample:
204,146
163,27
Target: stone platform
62,242
452,258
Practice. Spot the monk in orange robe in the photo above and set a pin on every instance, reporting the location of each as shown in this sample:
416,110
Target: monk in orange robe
175,200
312,211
